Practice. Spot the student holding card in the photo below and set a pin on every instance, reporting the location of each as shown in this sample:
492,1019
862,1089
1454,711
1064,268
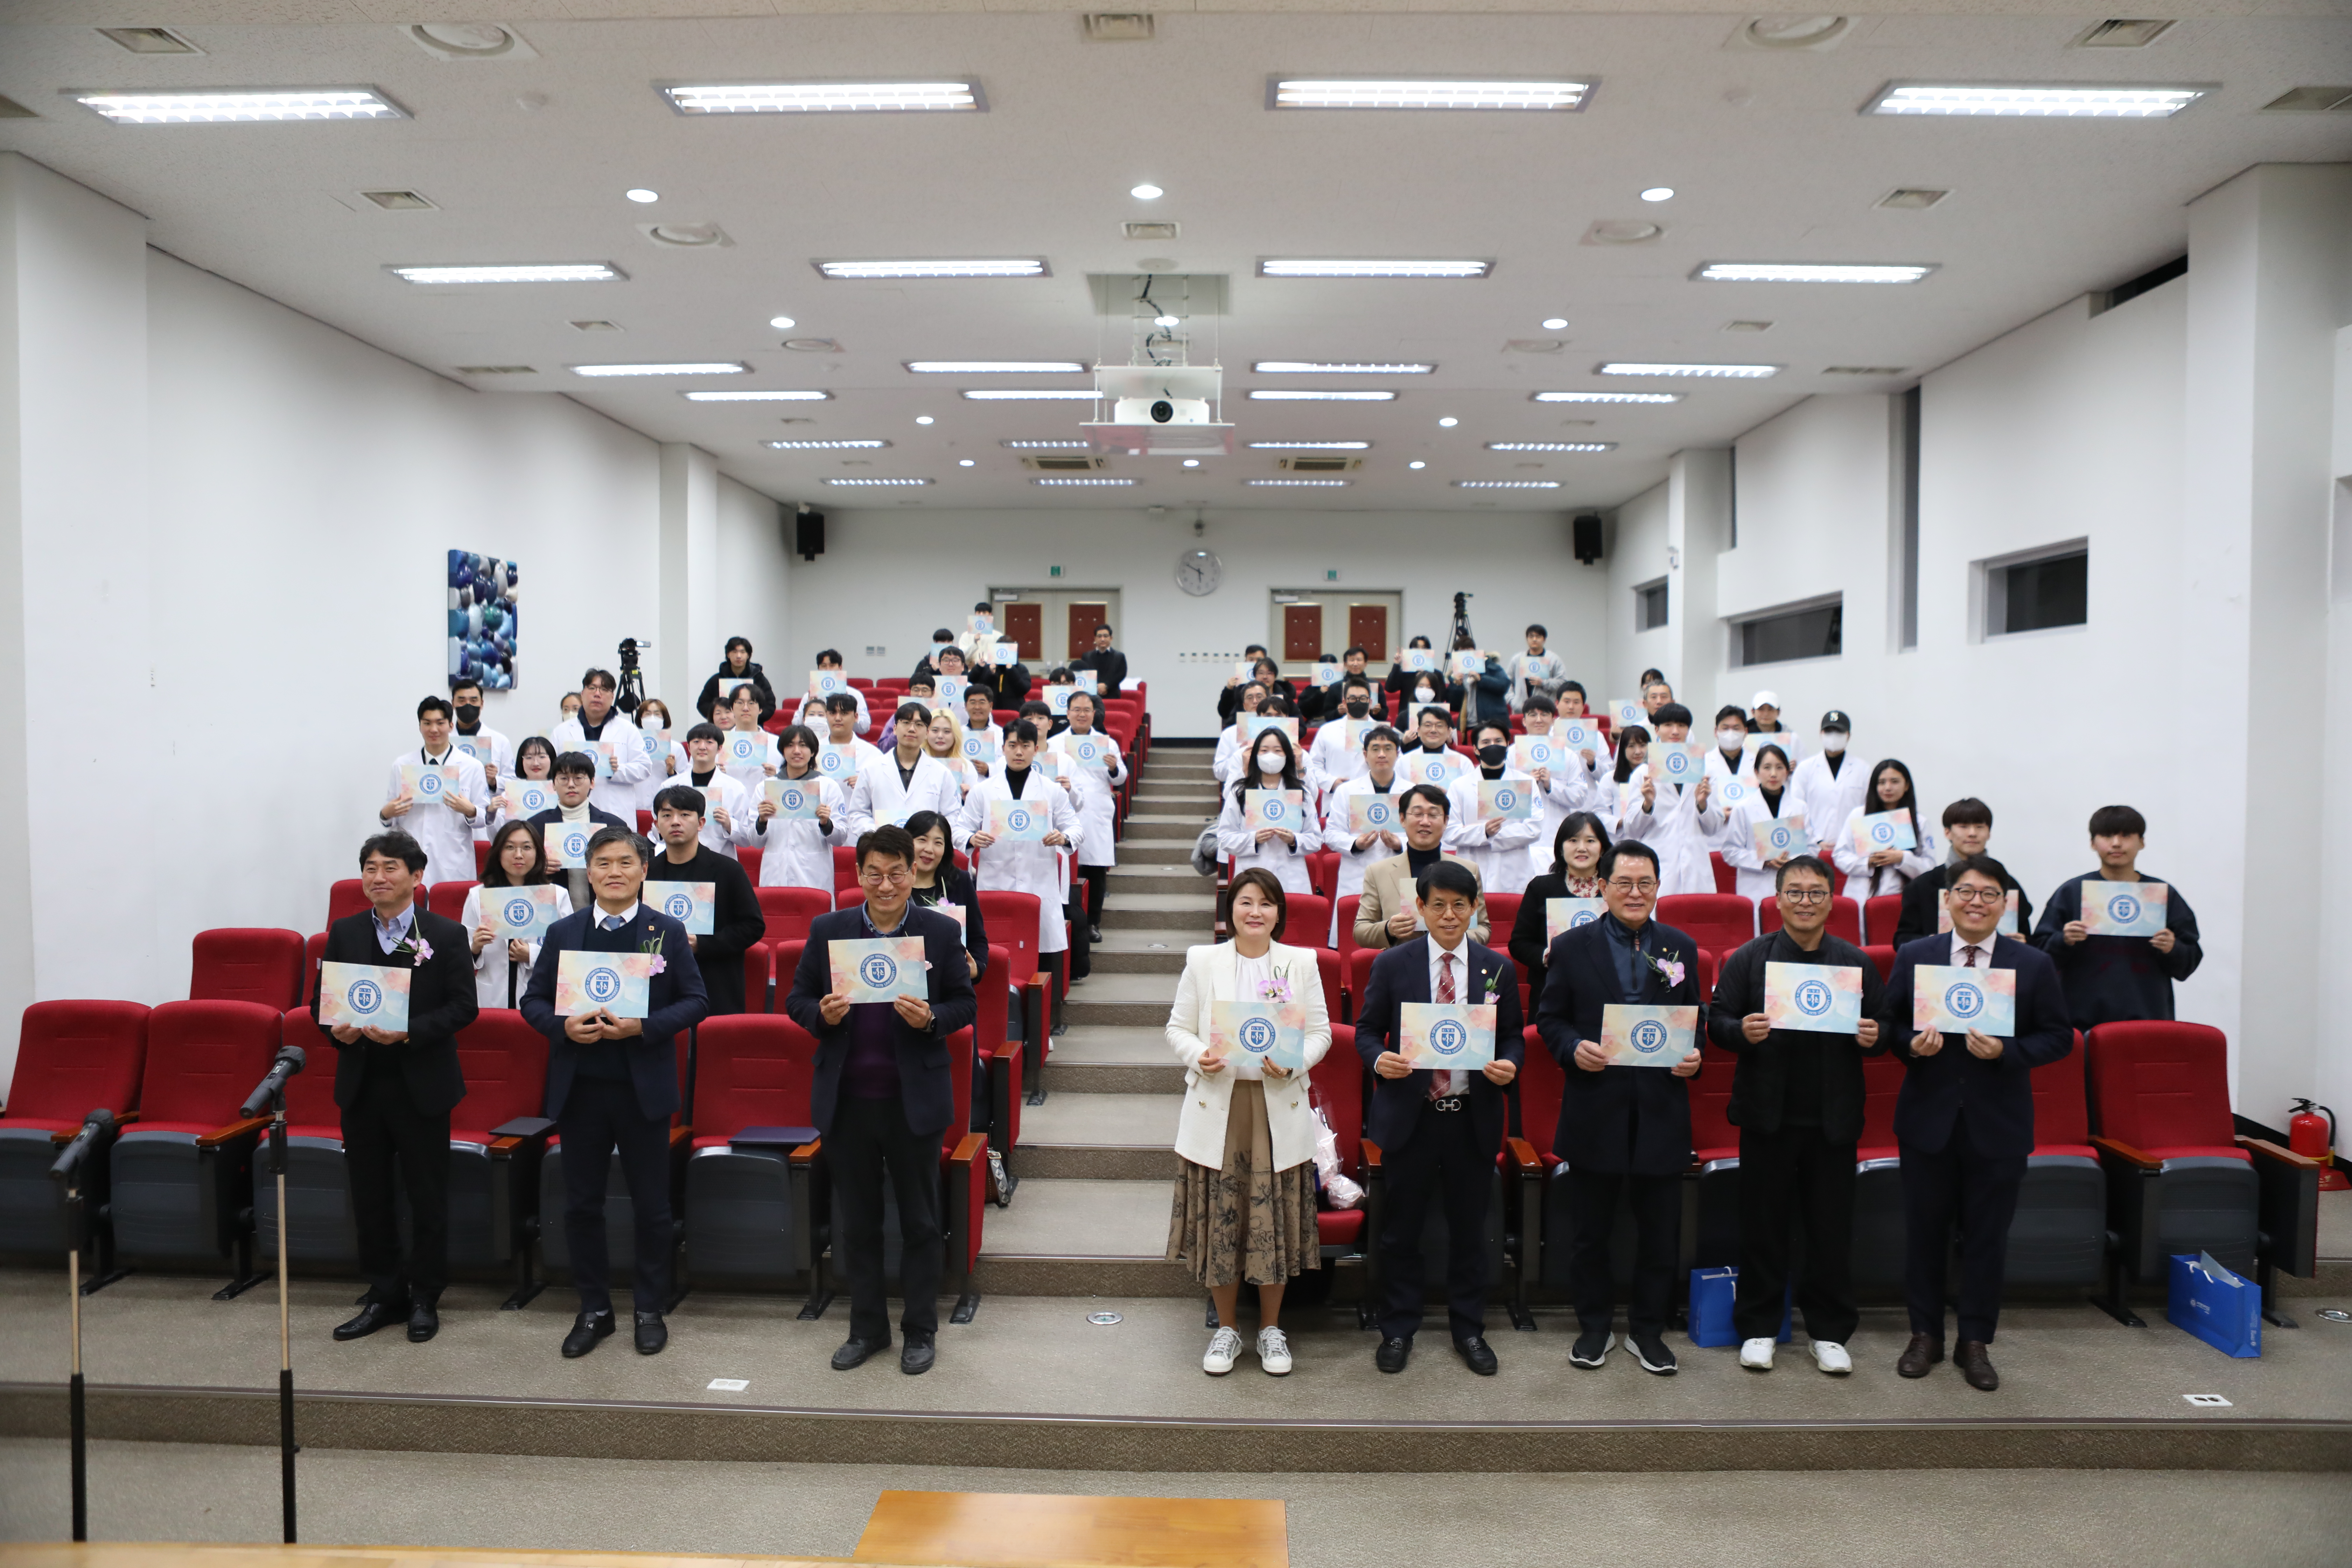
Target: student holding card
1764,718
1606,797
1432,740
1324,703
1494,841
1673,819
884,1092
612,1081
1624,1130
944,744
1534,671
856,755
1887,869
1247,1026
1387,911
1249,830
908,779
502,960
750,753
940,882
1037,866
736,920
665,758
1230,739
1331,756
437,795
493,751
980,720
598,726
1363,845
576,783
1577,845
1829,783
1800,1008
1964,1122
736,667
1771,801
1109,664
1095,795
1438,1129
2112,978
395,1087
795,842
828,662
1967,829
728,817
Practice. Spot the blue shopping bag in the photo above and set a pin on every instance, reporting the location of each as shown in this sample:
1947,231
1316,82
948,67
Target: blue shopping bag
2223,1309
1711,1292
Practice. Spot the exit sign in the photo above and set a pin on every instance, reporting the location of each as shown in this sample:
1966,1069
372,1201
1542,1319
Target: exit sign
1053,571
1331,575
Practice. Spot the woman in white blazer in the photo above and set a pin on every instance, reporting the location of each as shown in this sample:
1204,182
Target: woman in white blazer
1244,1201
1880,872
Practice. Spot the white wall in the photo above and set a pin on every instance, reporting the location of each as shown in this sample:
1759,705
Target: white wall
1637,554
889,577
754,586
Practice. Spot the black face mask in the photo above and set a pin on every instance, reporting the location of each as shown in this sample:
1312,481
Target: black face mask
1493,755
1357,707
469,714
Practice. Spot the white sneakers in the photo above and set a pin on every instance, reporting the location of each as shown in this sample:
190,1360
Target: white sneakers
1831,1357
1756,1355
1225,1346
1274,1352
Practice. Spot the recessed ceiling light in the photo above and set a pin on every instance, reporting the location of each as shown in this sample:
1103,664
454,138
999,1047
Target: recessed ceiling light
519,272
1555,323
781,323
1297,484
230,105
2034,102
1621,231
825,446
1029,395
1448,423
1552,445
824,96
967,462
1093,482
2121,35
1289,267
1007,267
1507,484
456,41
642,194
678,367
1045,445
1410,93
805,396
922,419
496,370
1812,272
1310,446
1607,398
878,482
1729,371
1270,394
1147,192
995,367
1192,462
1319,367
1659,194
1416,465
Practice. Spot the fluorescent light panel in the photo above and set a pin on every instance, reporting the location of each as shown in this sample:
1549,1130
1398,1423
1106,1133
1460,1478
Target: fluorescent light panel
519,273
2015,101
808,395
1552,445
824,96
1097,482
1029,395
1297,484
1045,445
1812,272
1310,446
1322,367
1607,398
995,367
1001,267
825,446
1308,267
240,105
1303,394
878,482
1724,372
1507,484
681,367
1342,92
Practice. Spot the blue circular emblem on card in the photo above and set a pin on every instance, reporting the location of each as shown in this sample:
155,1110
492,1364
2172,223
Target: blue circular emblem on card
832,762
520,911
1016,821
1379,814
878,970
1649,1036
2123,908
1448,1037
1256,1036
603,984
428,784
575,844
1582,917
1506,799
680,906
1882,833
1964,999
791,799
1274,808
1782,839
364,997
1812,998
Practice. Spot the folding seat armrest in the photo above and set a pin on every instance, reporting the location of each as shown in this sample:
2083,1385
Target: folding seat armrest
1523,1158
1371,1156
806,1154
524,1127
2127,1154
70,1133
247,1128
2264,1148
972,1146
2288,1214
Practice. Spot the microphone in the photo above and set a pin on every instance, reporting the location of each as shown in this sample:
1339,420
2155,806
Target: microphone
97,1125
289,1062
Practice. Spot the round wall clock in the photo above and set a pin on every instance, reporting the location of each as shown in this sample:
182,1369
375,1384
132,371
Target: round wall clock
1197,572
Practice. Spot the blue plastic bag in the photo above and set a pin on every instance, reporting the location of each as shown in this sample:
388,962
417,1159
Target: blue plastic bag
2223,1309
1711,1293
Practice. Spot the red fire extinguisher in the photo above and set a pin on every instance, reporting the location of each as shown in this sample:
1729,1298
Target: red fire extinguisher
2311,1132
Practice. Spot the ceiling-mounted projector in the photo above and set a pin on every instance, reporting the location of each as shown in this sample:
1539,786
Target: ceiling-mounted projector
1159,410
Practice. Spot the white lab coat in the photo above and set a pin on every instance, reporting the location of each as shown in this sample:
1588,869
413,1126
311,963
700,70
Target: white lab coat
659,778
495,753
1098,806
863,756
491,965
816,705
1504,862
1331,759
1339,835
1676,829
800,853
1286,861
630,766
1738,842
771,763
1828,800
878,796
447,838
728,793
1022,867
1863,882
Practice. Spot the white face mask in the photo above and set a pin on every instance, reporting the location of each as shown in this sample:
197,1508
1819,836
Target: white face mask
1269,761
1730,739
1833,742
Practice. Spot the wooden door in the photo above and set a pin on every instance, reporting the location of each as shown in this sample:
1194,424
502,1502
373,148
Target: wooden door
1368,628
1084,619
1023,621
1302,633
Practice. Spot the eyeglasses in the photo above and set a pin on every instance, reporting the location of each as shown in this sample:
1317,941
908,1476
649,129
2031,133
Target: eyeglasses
875,874
1804,895
1646,885
1975,895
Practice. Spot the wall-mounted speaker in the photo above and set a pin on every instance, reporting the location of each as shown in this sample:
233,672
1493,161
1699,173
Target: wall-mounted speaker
1587,538
808,533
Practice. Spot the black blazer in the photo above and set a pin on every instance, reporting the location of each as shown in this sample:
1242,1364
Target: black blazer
957,887
1923,895
1997,1095
1620,1120
1400,975
676,1002
736,923
752,673
440,1002
1110,666
1527,939
1760,1084
926,1084
2109,979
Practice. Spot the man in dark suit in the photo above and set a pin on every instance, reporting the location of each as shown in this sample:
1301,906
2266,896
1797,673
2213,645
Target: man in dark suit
736,921
1624,1131
1796,1100
396,1087
884,1095
574,777
1968,827
1438,1132
1964,1123
612,1083
1109,664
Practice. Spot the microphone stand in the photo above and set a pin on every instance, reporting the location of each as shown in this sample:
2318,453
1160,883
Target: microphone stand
284,1334
76,1237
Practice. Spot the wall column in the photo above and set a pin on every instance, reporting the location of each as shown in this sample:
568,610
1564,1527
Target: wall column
1699,528
686,644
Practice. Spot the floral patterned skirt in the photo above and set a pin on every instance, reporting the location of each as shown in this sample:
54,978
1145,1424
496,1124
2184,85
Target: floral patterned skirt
1246,1222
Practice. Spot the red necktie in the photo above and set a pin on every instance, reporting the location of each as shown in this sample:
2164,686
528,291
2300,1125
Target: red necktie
1968,957
1438,1080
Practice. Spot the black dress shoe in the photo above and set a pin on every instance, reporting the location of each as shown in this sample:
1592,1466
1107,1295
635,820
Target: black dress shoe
1479,1354
372,1315
1094,934
853,1352
1392,1355
424,1322
652,1333
1924,1352
586,1329
1976,1365
915,1357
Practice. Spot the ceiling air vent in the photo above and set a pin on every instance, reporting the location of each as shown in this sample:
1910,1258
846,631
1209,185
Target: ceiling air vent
1318,465
496,370
1910,198
1866,370
151,40
1149,230
2121,35
1119,27
1621,231
1534,345
813,345
686,236
2312,99
1059,464
398,201
595,327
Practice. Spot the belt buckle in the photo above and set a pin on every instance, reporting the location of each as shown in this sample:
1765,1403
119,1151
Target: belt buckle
1447,1102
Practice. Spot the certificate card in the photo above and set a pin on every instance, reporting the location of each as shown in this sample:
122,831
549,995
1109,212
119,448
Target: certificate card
1413,660
1541,666
1947,997
1372,813
2122,909
569,840
1431,768
1529,752
824,683
1272,808
1510,800
1252,1034
1645,1037
796,799
1581,735
362,996
1352,733
1731,792
1567,914
1624,710
1675,761
1018,821
1254,724
1822,997
477,747
838,764
745,750
878,969
978,748
950,690
531,797
727,684
1467,661
1775,836
693,905
1241,668
1325,675
955,912
1446,1036
427,787
617,982
2009,923
607,753
1058,699
1088,681
980,625
522,914
1045,764
1884,830
1091,752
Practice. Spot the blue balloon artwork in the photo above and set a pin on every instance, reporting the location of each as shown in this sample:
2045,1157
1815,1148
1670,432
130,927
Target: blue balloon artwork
482,618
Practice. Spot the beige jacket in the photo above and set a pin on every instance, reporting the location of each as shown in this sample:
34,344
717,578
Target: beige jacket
1387,890
1200,1129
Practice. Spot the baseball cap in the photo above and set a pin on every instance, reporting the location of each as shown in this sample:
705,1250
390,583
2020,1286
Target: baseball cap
1764,700
1836,719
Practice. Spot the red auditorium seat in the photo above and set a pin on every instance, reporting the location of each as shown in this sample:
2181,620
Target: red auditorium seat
1502,913
345,897
645,823
1345,939
247,965
447,899
1885,958
750,861
790,910
1017,934
845,862
74,1057
1727,876
1719,922
182,1178
1323,871
1306,919
1879,916
1337,1083
1360,977
1878,1225
2058,1236
998,1057
759,968
1334,977
1845,919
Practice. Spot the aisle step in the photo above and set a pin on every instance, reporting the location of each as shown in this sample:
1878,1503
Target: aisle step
1144,950
1127,880
1077,1236
1114,1058
1182,826
1110,1137
1159,851
1128,908
1124,998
